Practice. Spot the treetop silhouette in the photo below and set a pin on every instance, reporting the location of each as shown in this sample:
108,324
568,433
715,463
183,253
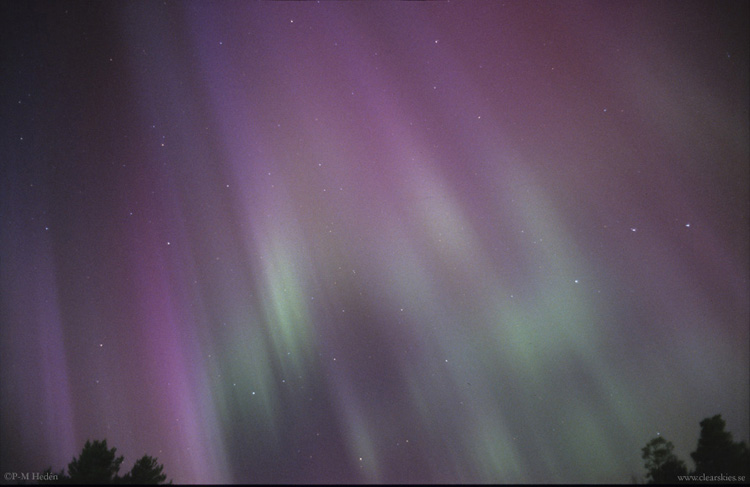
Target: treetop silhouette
662,465
716,455
98,464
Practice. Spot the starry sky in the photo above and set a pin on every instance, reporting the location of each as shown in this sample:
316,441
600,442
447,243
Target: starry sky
373,242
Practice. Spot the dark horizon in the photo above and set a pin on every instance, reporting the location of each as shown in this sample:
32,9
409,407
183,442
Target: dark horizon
373,241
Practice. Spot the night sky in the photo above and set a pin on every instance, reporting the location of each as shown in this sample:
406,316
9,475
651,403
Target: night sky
463,241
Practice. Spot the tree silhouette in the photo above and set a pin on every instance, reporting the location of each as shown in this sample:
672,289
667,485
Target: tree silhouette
716,453
661,464
145,471
97,464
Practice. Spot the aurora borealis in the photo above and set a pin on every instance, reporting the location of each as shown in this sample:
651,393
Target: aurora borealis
430,242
